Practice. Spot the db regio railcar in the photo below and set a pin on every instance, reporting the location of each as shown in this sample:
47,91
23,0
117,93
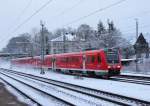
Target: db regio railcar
103,62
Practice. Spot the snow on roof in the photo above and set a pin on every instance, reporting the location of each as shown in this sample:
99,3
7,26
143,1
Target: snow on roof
69,37
133,59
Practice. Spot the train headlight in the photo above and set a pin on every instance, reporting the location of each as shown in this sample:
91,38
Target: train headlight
118,66
109,67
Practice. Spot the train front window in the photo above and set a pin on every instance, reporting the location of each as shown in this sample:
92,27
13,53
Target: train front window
112,58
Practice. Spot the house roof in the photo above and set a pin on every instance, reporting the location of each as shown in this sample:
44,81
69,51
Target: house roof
141,39
68,37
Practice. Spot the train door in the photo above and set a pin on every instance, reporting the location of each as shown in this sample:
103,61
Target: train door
84,62
54,64
99,60
90,62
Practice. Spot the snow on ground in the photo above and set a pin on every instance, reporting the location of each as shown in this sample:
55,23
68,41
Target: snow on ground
123,88
31,92
18,95
135,74
143,67
73,97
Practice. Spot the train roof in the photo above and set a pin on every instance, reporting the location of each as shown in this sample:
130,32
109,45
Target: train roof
62,54
77,53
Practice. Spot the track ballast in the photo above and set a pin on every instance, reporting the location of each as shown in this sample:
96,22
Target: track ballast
114,98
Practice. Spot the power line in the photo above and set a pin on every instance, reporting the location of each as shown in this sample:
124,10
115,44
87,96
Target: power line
30,17
128,27
19,16
92,13
21,13
127,18
133,29
25,9
141,14
70,8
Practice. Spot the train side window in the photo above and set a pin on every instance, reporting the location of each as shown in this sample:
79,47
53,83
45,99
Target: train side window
99,59
77,60
73,59
62,59
70,60
88,59
67,59
93,59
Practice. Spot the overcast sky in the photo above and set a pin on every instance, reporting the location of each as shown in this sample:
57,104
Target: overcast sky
61,12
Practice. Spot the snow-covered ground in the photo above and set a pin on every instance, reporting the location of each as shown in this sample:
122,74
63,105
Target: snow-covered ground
18,95
143,67
68,95
123,88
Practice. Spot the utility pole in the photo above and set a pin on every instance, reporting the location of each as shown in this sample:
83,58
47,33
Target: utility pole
137,28
32,50
64,43
137,24
42,47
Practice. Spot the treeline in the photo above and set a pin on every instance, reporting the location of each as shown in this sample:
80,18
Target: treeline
85,37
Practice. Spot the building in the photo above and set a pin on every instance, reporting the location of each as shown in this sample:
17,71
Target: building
141,46
64,44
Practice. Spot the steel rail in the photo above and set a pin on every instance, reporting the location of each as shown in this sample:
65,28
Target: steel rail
132,79
45,93
21,92
142,102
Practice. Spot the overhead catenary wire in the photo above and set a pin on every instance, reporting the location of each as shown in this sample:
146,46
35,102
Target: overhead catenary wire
99,10
127,18
25,9
133,29
18,17
94,12
30,17
21,13
70,8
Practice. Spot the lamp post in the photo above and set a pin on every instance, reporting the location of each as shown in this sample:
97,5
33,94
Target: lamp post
136,20
42,48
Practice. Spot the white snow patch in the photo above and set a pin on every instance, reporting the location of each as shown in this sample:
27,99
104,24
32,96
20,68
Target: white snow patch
128,89
20,97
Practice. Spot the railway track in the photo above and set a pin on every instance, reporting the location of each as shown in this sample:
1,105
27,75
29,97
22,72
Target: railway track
97,94
79,100
125,78
132,79
33,97
136,77
21,92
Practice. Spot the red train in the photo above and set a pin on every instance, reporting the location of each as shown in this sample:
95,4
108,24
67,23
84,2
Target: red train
104,62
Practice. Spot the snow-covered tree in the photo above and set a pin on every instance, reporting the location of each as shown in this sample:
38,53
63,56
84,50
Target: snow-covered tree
100,28
19,44
85,34
109,38
59,32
